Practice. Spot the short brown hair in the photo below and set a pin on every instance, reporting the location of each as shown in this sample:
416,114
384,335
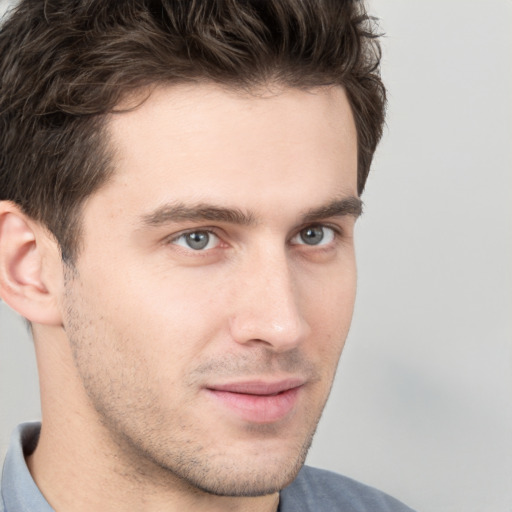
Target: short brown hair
65,64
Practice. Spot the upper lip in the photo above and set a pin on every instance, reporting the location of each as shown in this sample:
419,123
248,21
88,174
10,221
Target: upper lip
258,387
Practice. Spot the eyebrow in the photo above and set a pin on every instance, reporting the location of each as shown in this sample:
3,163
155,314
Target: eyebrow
180,212
197,212
348,206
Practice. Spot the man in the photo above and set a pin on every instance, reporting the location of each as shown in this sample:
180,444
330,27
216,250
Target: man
179,187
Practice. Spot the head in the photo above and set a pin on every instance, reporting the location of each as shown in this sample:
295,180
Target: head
192,173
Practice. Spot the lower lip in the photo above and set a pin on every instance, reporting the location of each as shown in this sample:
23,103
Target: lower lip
259,408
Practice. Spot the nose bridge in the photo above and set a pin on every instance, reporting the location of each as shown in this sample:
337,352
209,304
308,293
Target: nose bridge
268,308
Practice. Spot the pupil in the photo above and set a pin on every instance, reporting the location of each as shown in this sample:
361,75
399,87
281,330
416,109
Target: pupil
313,235
198,240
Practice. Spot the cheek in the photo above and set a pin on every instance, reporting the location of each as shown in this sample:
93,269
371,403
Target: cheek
328,303
328,294
166,317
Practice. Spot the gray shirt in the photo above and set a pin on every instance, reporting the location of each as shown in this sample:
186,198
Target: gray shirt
313,490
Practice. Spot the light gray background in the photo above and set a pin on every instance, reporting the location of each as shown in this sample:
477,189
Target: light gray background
422,406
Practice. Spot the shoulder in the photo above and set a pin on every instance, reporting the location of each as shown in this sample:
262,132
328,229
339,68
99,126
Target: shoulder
323,491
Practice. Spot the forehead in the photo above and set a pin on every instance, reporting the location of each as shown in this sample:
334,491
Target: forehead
212,144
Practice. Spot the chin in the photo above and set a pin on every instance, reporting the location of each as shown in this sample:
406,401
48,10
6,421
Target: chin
246,482
237,475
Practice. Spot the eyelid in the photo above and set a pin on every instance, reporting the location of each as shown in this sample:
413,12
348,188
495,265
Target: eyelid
171,240
336,230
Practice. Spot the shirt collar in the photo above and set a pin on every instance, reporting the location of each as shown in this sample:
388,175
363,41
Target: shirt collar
18,490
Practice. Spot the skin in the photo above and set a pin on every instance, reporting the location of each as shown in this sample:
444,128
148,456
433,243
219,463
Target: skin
134,337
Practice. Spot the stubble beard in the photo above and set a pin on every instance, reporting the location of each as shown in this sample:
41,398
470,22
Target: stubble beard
147,444
195,472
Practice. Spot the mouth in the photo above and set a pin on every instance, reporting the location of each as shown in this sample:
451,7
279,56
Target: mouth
258,401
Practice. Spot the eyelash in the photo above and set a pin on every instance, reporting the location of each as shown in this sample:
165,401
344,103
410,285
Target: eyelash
337,234
209,231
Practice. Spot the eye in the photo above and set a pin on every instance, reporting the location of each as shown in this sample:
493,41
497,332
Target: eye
197,240
314,235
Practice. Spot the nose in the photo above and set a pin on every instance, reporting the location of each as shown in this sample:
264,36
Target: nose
267,309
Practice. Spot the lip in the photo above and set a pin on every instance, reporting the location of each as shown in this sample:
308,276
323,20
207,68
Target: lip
258,401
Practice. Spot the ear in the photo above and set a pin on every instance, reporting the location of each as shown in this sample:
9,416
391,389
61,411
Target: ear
30,267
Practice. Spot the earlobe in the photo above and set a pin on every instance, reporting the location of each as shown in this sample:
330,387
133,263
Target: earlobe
23,253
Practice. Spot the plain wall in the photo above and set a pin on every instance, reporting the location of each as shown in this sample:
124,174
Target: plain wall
422,405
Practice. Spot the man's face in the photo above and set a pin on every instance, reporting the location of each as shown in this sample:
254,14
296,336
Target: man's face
214,291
